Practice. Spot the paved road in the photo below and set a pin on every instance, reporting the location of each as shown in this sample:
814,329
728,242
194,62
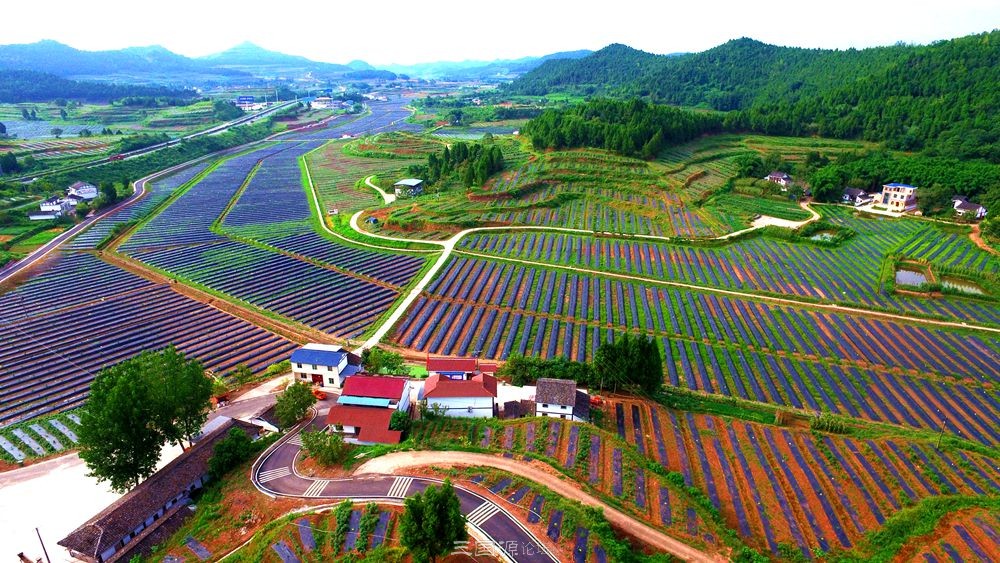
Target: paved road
274,474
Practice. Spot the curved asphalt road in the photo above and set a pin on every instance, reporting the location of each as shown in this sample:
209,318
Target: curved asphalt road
274,474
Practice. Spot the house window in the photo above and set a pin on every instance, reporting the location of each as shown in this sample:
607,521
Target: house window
545,406
298,366
314,367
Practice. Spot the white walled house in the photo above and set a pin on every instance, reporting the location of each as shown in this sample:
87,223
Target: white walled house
898,197
409,187
559,398
82,190
325,365
856,197
780,178
472,398
965,207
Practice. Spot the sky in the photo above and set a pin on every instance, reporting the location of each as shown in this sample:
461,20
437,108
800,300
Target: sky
384,32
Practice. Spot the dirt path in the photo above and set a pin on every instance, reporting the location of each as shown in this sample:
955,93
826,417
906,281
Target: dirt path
392,463
977,239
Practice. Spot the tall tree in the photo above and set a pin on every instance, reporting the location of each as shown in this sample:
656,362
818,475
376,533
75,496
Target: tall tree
293,403
137,406
118,440
432,523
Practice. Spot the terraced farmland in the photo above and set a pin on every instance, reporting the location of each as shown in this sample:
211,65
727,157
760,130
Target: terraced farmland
719,344
60,328
780,487
849,273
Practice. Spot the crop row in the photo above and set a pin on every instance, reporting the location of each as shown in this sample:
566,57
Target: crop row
319,297
781,487
395,269
158,191
51,356
189,219
952,250
848,273
971,536
611,303
965,410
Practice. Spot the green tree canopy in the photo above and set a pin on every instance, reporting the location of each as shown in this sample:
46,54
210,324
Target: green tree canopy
380,360
630,360
137,406
432,523
293,403
229,452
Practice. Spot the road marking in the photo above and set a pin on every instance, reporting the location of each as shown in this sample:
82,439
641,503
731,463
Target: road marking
315,489
296,440
271,475
399,487
482,513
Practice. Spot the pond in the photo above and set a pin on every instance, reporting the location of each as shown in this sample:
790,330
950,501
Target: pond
910,277
825,236
961,285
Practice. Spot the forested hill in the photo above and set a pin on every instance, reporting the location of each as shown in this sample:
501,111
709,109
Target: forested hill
731,76
941,97
18,86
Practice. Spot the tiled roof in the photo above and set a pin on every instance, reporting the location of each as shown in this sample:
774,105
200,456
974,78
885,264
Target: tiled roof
379,387
372,422
581,409
409,182
124,515
317,357
555,391
479,386
451,365
898,185
488,368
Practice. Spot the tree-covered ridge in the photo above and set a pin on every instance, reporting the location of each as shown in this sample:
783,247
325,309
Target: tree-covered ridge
633,128
18,86
941,97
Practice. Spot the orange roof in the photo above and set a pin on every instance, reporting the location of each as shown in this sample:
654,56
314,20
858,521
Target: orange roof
479,386
451,365
372,422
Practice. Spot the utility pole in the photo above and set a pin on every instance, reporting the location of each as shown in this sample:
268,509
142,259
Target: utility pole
45,551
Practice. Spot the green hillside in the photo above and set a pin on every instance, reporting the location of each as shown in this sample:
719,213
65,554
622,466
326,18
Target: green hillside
940,97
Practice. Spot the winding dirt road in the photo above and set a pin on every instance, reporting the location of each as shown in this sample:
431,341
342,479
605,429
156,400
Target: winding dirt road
395,462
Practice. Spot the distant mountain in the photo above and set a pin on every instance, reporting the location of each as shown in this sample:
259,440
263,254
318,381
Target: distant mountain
248,56
481,70
157,65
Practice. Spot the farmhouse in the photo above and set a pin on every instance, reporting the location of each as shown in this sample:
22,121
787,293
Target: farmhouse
82,191
856,197
409,187
323,364
458,368
778,177
54,204
559,398
363,425
118,531
898,197
365,408
964,207
472,398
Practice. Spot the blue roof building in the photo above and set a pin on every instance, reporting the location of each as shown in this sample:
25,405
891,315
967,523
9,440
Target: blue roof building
325,365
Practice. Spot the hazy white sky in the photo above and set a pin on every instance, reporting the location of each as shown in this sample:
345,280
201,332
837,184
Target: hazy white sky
394,31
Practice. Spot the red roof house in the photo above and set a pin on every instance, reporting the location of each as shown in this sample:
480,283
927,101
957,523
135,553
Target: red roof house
363,425
376,391
463,398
